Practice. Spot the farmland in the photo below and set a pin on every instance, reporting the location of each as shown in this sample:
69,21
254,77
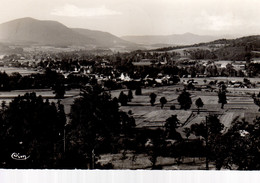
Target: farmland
240,105
22,71
45,93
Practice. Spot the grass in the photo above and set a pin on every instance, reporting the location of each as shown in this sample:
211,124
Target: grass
142,161
239,104
22,71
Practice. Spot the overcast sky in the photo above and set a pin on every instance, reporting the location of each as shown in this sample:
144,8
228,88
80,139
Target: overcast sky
143,17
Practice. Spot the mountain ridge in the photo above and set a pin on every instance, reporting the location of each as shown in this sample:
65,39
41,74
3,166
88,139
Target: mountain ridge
174,39
103,38
48,32
30,31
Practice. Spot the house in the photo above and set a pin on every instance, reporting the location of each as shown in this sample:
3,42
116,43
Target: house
125,77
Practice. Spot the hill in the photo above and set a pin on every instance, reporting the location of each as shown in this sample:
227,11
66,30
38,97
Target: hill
104,38
175,39
28,31
244,48
32,31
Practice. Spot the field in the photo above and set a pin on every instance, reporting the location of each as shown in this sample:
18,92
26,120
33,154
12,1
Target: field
45,93
181,50
240,104
141,161
22,71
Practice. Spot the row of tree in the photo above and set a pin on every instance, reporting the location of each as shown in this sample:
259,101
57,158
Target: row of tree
184,99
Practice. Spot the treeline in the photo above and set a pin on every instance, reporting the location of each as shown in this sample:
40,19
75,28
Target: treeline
49,79
235,53
253,69
223,49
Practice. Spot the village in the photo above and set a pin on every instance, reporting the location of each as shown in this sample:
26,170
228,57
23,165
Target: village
147,86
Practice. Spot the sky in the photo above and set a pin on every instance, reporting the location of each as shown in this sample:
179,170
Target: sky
143,17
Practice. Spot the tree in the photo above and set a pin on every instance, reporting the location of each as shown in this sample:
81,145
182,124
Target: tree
51,77
187,132
152,98
123,98
59,90
14,80
222,96
33,128
184,100
110,84
156,148
130,95
211,131
256,100
3,105
127,122
170,127
199,104
190,86
239,147
4,81
163,101
138,90
214,125
172,107
230,69
211,70
96,124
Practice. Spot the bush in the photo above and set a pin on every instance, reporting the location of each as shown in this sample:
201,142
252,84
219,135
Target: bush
104,166
138,91
172,107
123,98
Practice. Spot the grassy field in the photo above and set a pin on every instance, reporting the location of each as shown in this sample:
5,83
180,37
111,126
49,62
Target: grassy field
22,71
142,161
45,93
240,104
